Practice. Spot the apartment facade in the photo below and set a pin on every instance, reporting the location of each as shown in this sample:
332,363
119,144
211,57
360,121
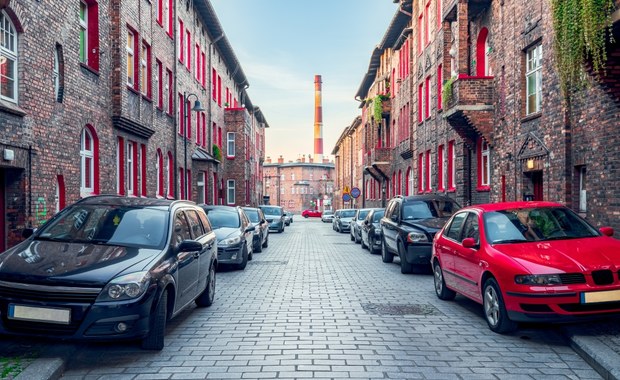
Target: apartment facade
486,120
118,98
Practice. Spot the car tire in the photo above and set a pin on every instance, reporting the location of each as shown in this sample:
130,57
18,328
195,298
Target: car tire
357,240
351,235
154,340
442,292
405,267
386,255
306,216
494,308
364,246
207,296
244,260
259,247
266,243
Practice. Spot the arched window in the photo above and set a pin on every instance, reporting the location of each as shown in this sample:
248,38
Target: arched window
8,59
159,165
59,73
89,162
482,48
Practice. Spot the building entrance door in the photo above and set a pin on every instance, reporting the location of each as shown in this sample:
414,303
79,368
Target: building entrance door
537,183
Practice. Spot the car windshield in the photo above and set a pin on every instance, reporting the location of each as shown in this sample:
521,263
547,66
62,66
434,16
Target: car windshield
272,210
362,214
253,215
223,218
105,224
376,217
328,213
535,224
347,213
427,209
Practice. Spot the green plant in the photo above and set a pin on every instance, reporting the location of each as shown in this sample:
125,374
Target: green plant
581,29
217,152
446,91
378,106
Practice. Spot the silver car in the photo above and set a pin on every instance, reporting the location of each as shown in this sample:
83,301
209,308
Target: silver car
327,216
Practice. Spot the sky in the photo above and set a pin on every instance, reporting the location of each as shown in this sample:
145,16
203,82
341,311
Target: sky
282,44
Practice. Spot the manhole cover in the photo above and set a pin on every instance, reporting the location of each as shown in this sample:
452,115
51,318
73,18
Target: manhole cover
394,309
269,262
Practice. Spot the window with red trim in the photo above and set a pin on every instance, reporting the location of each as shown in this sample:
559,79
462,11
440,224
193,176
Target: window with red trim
181,183
484,164
160,84
170,92
427,168
214,84
188,41
89,33
160,11
89,157
120,166
203,70
198,129
170,176
146,71
203,116
451,167
215,187
400,182
420,103
440,176
420,33
159,162
181,41
170,17
421,185
439,87
198,65
439,18
410,180
132,49
427,100
427,23
181,114
482,66
60,193
219,90
188,119
143,191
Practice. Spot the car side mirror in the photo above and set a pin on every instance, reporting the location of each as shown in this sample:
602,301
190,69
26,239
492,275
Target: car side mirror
250,228
27,232
189,246
263,221
394,218
365,222
470,243
607,231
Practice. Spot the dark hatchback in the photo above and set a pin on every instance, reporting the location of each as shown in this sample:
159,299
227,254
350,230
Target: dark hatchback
409,226
371,230
234,234
261,231
109,268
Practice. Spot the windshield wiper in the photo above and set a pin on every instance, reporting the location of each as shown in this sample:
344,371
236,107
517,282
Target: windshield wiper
508,241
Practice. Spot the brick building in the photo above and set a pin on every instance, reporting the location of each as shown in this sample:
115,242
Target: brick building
485,119
299,185
116,97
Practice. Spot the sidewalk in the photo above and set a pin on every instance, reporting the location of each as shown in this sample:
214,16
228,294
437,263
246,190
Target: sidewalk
598,343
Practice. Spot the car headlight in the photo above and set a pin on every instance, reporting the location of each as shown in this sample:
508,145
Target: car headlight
538,279
230,241
129,286
416,237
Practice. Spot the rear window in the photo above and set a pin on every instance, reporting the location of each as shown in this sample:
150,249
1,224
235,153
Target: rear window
347,213
429,209
376,217
253,215
223,218
271,210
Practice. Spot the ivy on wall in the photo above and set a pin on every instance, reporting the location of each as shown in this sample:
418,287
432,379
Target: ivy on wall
217,153
581,31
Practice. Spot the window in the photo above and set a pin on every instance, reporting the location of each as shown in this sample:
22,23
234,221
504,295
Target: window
197,63
292,176
219,90
214,84
215,188
130,168
170,176
203,74
181,183
230,144
427,23
60,192
451,167
181,114
89,162
482,46
420,32
427,103
188,49
170,17
230,192
145,70
440,175
169,88
583,200
201,188
427,167
533,79
159,11
439,14
142,179
59,73
160,84
8,63
420,104
409,181
89,34
421,184
120,166
159,168
439,87
181,41
132,58
484,165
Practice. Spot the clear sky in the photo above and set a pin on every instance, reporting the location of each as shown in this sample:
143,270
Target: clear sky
282,44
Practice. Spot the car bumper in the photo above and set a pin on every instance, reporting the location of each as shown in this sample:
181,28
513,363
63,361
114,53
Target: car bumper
419,254
230,254
344,227
276,226
88,321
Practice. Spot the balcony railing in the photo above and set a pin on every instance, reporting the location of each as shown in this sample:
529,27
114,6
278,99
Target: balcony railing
470,91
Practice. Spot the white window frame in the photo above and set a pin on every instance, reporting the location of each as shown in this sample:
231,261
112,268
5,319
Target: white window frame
230,144
159,175
485,165
56,72
129,168
230,192
201,187
85,155
130,58
8,50
583,199
533,70
84,31
143,70
411,182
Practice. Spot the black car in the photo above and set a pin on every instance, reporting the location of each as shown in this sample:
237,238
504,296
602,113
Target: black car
408,228
371,230
109,268
261,231
234,234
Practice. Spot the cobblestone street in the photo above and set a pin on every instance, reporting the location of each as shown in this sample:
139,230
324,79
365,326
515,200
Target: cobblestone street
315,305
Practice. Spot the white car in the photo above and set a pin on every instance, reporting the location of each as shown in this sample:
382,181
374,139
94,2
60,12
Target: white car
327,216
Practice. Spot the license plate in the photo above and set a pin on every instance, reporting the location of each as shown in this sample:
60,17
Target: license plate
595,297
39,314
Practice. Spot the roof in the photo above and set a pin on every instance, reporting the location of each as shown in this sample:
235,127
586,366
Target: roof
329,165
391,39
346,132
202,155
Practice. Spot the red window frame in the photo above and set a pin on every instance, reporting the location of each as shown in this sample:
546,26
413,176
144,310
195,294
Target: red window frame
181,41
198,64
121,166
420,32
188,120
427,100
427,24
204,130
420,173
420,103
149,71
136,59
170,18
160,12
143,169
160,84
170,166
181,114
204,71
439,20
93,34
439,87
170,92
427,168
451,179
219,90
214,84
160,175
188,49
440,181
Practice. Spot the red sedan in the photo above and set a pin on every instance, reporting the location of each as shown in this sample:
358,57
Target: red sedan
527,262
311,214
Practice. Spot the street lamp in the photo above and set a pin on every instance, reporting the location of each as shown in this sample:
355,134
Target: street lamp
198,108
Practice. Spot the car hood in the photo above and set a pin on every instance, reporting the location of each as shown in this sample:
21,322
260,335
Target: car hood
565,256
49,262
226,232
346,219
431,224
271,216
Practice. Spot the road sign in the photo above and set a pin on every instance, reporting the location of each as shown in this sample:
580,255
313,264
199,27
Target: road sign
355,192
346,197
346,190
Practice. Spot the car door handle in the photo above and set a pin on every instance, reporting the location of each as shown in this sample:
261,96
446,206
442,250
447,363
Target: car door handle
196,254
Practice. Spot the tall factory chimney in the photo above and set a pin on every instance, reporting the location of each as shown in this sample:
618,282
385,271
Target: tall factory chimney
318,120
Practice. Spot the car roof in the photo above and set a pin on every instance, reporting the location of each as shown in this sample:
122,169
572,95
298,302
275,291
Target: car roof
115,200
218,207
486,207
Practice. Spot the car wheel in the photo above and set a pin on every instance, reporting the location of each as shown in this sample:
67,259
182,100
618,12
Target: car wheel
386,255
358,240
251,255
266,243
306,216
157,325
208,295
442,292
364,246
351,235
244,261
259,247
405,267
495,309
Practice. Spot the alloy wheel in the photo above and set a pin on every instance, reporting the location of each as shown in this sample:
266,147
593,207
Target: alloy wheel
491,306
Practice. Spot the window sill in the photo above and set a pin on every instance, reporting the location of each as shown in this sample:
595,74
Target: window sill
230,157
132,89
483,188
531,117
147,98
452,190
91,69
11,108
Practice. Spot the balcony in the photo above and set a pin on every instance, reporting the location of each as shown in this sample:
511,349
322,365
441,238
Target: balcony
378,162
469,107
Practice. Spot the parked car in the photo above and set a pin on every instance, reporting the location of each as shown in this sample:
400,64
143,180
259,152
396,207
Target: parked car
235,234
327,216
109,268
408,228
527,261
371,230
336,215
275,217
342,220
311,213
260,239
288,218
356,224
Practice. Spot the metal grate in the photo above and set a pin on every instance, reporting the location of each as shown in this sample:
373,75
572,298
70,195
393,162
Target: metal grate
269,262
395,309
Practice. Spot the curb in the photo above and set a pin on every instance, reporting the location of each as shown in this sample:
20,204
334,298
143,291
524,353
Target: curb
43,369
597,354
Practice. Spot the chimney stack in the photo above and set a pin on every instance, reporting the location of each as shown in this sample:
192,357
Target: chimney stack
318,120
280,160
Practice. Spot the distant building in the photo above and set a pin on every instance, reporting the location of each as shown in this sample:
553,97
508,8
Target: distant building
299,185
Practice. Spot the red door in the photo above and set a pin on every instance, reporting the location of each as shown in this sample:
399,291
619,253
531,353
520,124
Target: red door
537,182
